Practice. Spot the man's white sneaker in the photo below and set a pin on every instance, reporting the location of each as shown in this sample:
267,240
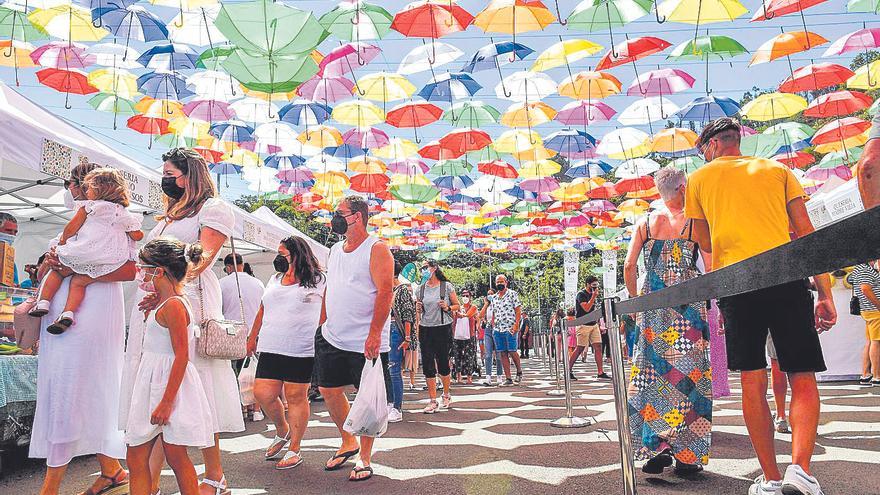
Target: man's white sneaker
431,408
763,487
798,482
395,416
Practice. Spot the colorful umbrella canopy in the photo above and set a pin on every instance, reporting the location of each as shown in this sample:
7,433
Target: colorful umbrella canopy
837,104
660,82
449,87
471,114
700,12
514,16
494,55
67,22
265,27
359,113
861,40
786,44
706,108
565,53
357,20
814,77
431,19
589,85
772,106
774,8
428,57
631,50
384,87
584,113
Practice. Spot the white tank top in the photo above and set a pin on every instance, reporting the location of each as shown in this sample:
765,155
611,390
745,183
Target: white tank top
351,296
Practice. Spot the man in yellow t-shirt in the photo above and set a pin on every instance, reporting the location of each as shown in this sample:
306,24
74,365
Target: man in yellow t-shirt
741,207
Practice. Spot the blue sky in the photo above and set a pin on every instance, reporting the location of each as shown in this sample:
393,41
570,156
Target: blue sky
727,79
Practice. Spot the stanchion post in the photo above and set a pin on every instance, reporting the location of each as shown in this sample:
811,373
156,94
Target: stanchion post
618,381
554,359
569,420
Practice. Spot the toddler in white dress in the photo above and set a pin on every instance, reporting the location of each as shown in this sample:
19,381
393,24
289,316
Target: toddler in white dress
98,240
167,399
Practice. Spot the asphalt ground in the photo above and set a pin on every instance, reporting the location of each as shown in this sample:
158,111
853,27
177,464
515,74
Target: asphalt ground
498,440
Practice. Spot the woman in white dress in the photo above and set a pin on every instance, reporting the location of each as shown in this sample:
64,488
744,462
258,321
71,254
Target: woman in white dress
79,375
193,213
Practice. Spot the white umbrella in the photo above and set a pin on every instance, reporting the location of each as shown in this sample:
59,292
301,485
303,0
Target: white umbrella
114,55
648,110
619,141
636,167
196,27
277,135
325,163
213,85
428,56
526,86
491,189
255,110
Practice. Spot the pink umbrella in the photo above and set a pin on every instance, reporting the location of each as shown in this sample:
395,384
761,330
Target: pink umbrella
584,112
62,55
660,82
293,189
368,138
578,220
328,89
860,40
298,174
408,166
597,206
817,172
541,185
347,58
503,212
208,110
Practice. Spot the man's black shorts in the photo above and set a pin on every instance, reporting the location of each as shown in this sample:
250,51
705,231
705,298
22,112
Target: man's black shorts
787,312
335,367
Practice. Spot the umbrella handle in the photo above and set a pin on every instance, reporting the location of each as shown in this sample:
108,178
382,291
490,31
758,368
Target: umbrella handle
767,15
67,104
433,57
179,24
657,14
10,52
450,22
559,16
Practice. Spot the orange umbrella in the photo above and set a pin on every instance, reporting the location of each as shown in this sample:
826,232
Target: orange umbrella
589,85
786,44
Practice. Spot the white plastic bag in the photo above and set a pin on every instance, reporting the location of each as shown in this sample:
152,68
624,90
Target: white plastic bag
369,413
246,381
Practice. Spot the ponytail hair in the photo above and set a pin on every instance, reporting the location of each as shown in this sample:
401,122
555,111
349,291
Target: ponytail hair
173,256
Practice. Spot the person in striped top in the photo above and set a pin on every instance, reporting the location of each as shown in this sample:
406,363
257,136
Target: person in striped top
865,280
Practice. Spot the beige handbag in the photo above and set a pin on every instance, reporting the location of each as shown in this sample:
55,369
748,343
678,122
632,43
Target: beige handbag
222,339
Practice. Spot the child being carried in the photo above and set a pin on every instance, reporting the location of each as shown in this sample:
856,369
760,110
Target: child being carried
98,240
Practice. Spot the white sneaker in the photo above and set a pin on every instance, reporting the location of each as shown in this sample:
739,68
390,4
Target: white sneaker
488,381
258,416
395,416
798,482
763,487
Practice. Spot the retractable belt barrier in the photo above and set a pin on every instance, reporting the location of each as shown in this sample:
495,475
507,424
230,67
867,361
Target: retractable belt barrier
851,241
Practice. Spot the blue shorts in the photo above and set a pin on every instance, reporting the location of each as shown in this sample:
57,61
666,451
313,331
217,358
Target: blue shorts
505,341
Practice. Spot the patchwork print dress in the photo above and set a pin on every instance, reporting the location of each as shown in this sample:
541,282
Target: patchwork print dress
670,389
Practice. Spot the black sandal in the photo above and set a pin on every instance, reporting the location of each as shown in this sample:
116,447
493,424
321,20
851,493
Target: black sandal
358,470
115,484
64,321
658,463
345,456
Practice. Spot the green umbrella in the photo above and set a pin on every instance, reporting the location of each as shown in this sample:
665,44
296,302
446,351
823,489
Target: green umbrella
471,114
486,154
213,57
793,131
605,234
107,102
437,255
595,15
357,21
450,167
706,48
414,193
277,196
510,221
838,158
268,27
867,6
15,25
688,163
270,74
509,266
527,263
762,145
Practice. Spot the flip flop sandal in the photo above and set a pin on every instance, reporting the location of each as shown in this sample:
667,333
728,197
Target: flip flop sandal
116,486
218,486
287,462
64,321
279,444
358,470
345,456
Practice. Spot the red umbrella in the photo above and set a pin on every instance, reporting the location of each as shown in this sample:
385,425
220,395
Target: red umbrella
431,20
775,8
632,50
634,184
67,82
840,130
563,206
605,191
413,115
797,159
370,183
152,126
838,103
498,168
545,222
461,141
815,76
210,156
433,151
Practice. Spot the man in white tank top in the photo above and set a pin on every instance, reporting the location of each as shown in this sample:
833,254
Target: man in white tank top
355,322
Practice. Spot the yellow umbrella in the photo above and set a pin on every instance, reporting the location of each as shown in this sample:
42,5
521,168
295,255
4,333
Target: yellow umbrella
321,136
866,77
701,11
118,82
571,192
359,113
517,141
243,157
850,142
367,165
674,140
14,53
397,149
162,109
285,97
384,86
400,179
648,193
67,22
331,181
772,106
538,169
478,222
528,114
189,128
633,206
539,152
589,85
565,53
514,16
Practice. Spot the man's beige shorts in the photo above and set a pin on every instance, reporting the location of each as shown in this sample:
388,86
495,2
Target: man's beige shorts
587,335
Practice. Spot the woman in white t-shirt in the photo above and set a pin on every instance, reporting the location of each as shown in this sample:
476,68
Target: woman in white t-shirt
284,336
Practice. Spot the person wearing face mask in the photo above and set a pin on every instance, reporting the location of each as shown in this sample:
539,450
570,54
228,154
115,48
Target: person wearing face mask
194,213
284,336
465,349
8,233
506,316
436,303
71,419
237,286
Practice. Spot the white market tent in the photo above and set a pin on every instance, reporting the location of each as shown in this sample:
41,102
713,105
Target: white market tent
37,151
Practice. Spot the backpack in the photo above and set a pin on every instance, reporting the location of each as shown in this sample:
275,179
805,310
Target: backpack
442,298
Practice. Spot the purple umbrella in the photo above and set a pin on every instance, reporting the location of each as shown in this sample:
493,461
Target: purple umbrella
660,82
208,110
408,166
62,55
346,58
583,113
597,206
817,172
541,185
368,138
296,175
327,89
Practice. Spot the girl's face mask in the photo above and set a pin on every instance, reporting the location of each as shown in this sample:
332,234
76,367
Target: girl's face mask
146,275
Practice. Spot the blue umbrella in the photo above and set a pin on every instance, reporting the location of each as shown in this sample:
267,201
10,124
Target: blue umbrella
463,198
224,168
345,151
520,193
170,57
679,154
450,87
305,112
453,182
232,131
568,141
588,168
284,161
706,108
130,21
161,85
489,56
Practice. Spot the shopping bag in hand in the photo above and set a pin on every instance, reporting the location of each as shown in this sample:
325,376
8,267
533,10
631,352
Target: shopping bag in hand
369,413
246,381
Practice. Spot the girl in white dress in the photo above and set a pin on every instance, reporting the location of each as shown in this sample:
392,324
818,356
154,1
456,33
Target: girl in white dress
168,400
98,240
